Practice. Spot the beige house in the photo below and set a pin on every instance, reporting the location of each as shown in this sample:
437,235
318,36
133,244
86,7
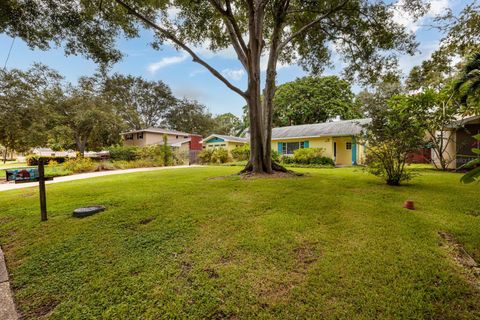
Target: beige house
459,142
218,141
151,136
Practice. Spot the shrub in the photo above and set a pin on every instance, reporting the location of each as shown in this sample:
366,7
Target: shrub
141,163
324,161
307,155
149,152
219,156
52,163
205,156
241,153
104,165
32,159
275,156
180,157
127,153
80,165
394,132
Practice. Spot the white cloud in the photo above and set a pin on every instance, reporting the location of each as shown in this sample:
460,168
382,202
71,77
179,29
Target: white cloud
438,7
264,62
407,62
165,62
404,18
233,74
206,53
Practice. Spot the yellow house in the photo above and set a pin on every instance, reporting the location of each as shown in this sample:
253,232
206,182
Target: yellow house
218,141
339,139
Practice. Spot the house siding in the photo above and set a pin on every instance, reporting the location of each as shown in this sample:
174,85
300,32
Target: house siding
227,145
344,156
153,138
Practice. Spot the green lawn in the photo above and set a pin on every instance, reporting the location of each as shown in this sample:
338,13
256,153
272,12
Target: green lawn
176,244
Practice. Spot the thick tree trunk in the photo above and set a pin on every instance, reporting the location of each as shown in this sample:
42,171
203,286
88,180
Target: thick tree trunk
258,146
81,143
5,155
260,113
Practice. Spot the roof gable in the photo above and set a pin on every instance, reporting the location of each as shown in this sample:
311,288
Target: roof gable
214,139
222,138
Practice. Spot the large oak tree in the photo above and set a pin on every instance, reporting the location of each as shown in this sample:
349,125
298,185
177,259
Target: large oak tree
362,32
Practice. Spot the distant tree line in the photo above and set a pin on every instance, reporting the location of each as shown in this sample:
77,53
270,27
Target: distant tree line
39,108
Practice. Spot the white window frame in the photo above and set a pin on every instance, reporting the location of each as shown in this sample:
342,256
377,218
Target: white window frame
301,145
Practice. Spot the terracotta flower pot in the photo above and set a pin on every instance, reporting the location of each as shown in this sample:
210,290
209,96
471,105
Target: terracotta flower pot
408,204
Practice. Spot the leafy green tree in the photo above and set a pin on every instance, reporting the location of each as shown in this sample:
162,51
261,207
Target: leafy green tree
83,117
139,102
190,116
228,124
462,39
312,100
468,84
462,31
376,100
281,30
434,73
395,131
22,114
437,111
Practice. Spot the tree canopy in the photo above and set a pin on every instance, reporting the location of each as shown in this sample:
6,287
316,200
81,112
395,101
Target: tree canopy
140,103
190,116
363,32
313,99
22,116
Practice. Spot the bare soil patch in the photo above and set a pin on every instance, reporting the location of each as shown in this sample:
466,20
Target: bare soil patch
470,268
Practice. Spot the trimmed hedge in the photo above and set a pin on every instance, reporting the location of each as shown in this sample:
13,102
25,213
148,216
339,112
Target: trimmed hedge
309,156
32,159
125,153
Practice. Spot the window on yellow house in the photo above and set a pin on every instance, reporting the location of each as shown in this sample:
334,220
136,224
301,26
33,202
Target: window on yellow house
349,146
290,147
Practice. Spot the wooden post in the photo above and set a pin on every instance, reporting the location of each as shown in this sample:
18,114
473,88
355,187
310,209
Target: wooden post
41,186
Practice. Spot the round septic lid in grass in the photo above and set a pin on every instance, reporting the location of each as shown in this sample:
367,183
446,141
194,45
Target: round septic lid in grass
87,211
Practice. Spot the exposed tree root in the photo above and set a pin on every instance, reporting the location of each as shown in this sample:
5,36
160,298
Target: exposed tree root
276,168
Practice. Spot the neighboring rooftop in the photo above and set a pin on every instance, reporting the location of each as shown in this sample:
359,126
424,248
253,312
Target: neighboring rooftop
325,129
464,121
225,138
160,130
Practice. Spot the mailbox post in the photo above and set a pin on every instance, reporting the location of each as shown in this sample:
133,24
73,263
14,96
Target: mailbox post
41,186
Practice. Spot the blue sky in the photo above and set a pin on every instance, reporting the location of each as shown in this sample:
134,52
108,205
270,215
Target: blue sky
188,79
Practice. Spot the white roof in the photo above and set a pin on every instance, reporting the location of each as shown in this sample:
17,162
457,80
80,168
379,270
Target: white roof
179,143
326,129
464,121
159,130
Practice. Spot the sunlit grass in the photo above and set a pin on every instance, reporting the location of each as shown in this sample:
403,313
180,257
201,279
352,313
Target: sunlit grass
177,244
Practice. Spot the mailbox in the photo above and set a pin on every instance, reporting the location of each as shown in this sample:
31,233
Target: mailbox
22,174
